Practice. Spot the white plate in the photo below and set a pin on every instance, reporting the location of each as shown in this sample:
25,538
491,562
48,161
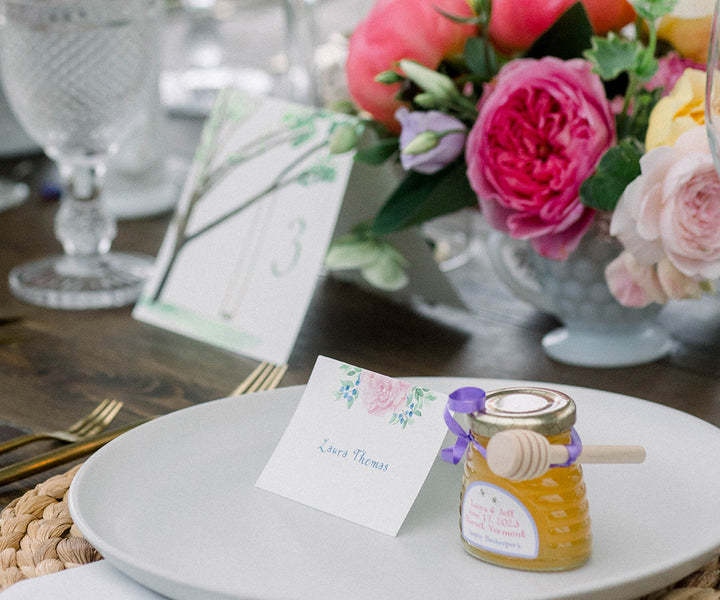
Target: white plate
173,505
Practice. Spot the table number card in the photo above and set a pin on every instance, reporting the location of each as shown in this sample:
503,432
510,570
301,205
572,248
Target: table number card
359,445
240,260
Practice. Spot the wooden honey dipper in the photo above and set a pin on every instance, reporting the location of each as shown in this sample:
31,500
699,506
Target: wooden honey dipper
521,454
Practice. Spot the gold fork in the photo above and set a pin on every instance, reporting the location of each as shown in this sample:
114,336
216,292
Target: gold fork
265,377
86,427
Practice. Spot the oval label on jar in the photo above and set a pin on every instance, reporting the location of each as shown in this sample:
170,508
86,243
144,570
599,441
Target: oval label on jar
496,521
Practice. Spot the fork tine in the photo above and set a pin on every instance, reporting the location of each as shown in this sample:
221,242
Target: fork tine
274,378
248,381
255,386
103,420
99,417
91,423
80,423
266,376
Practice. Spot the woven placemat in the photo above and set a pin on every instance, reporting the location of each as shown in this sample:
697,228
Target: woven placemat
38,536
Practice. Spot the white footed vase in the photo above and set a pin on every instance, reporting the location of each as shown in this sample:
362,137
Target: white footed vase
596,331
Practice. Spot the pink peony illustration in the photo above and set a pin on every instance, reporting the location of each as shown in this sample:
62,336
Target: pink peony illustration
382,394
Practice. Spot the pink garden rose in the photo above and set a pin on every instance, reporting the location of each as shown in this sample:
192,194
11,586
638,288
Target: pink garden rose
516,24
671,66
382,394
395,30
541,130
669,219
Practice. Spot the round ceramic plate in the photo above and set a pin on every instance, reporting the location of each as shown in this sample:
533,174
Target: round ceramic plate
173,505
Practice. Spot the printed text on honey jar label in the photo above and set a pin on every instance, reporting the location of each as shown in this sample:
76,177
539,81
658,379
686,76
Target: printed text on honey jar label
496,521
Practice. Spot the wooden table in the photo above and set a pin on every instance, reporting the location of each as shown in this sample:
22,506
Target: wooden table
55,365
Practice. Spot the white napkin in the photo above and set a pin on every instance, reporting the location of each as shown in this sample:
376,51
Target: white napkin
88,582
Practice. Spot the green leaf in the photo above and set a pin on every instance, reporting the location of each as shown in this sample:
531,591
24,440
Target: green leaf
618,167
378,153
567,38
613,55
351,252
420,198
653,9
386,273
480,58
636,126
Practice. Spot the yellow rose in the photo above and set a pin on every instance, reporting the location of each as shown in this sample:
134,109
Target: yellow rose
690,37
679,111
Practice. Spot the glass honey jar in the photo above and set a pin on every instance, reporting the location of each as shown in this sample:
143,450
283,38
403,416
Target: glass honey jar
542,524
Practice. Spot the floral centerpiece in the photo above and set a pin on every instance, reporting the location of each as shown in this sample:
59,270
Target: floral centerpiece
549,116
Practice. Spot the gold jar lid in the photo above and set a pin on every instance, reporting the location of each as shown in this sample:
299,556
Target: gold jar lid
545,411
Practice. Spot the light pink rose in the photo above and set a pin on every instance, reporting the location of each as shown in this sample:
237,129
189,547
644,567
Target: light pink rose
672,210
541,130
395,30
677,285
636,285
382,394
633,283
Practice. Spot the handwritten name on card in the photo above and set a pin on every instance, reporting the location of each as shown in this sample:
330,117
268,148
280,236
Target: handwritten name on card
357,456
359,446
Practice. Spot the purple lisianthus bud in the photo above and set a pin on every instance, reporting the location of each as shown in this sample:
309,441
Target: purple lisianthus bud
450,139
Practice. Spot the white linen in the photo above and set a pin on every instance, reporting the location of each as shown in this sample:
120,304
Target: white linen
95,581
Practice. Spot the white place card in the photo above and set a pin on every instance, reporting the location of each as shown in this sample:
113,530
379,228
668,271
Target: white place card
240,261
359,446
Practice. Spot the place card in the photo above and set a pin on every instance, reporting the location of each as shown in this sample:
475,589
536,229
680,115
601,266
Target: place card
357,435
240,260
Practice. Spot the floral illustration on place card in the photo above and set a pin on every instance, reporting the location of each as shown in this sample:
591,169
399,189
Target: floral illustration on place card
382,395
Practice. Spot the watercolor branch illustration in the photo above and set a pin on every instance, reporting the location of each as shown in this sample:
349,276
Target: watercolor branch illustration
308,167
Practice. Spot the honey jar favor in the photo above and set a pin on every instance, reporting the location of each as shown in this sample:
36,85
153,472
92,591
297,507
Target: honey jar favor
539,524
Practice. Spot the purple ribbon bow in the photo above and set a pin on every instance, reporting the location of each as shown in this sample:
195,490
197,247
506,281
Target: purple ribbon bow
470,400
465,400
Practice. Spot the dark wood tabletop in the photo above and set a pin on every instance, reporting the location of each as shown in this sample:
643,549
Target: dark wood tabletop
56,364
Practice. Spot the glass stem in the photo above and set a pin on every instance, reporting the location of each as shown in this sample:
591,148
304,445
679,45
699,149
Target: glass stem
300,44
83,225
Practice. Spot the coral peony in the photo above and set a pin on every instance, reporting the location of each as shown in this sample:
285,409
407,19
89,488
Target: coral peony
395,30
516,25
541,130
